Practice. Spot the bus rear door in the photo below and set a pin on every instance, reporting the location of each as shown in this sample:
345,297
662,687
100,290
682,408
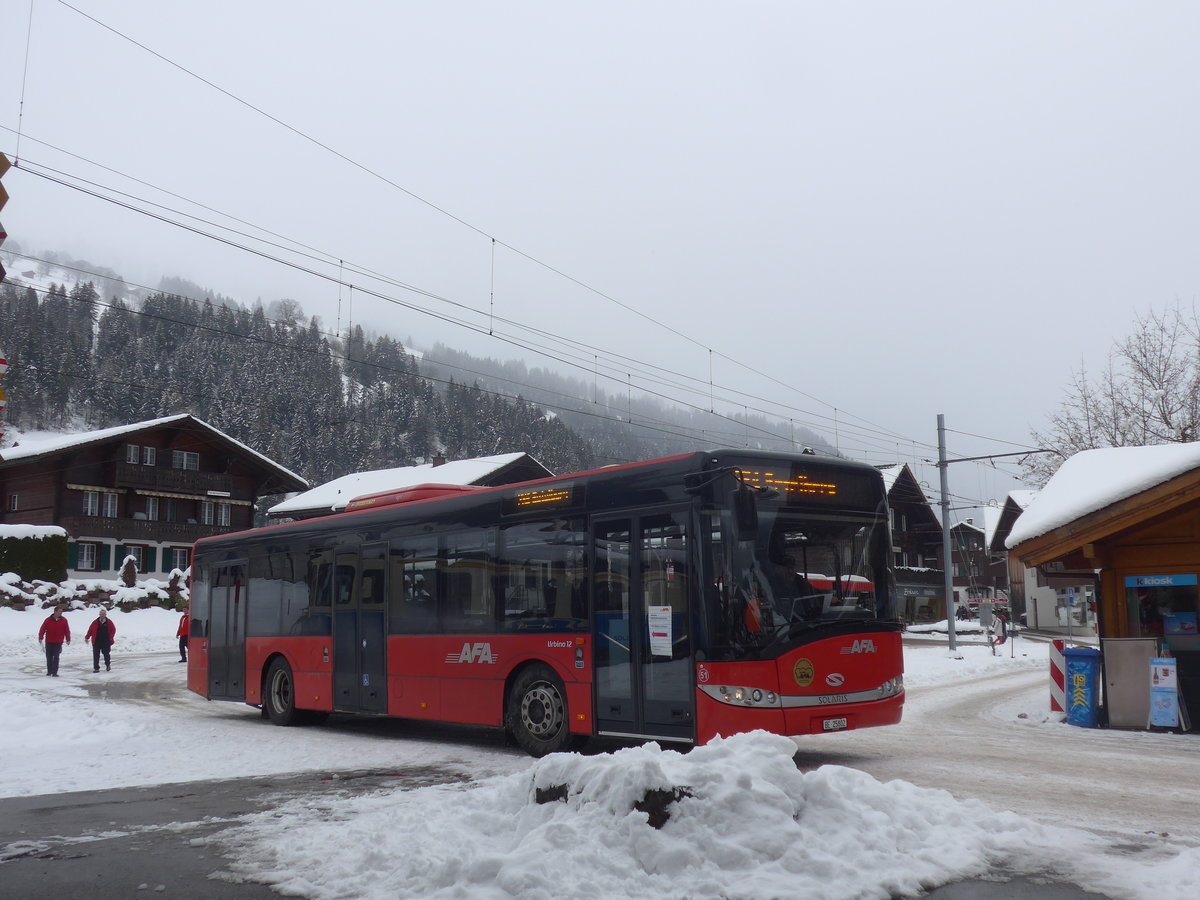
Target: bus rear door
644,683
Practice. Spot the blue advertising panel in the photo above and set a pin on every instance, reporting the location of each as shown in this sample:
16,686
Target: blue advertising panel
1083,686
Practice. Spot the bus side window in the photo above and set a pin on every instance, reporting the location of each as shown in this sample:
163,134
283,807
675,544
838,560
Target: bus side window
412,606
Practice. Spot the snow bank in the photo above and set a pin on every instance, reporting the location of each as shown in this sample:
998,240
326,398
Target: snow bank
140,631
753,825
37,532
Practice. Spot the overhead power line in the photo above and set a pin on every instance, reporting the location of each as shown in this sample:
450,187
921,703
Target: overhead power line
305,136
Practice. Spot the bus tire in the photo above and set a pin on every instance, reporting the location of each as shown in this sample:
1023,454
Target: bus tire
537,712
279,694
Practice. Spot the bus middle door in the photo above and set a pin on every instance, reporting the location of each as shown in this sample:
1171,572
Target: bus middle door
643,657
359,635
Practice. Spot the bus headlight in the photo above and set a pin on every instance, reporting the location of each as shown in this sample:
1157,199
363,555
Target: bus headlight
743,696
892,686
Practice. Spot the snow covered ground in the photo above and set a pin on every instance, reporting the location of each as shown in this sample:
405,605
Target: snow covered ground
749,825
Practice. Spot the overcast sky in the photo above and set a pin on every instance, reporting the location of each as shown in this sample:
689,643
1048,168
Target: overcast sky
891,210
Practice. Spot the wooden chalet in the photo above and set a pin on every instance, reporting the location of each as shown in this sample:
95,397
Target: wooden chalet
916,547
147,490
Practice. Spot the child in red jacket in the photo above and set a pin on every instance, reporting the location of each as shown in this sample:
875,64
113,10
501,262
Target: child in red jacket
182,633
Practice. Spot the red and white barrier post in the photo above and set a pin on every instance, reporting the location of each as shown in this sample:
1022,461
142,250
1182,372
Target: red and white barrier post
1058,678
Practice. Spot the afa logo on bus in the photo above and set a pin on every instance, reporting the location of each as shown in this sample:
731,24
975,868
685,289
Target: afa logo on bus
472,653
866,645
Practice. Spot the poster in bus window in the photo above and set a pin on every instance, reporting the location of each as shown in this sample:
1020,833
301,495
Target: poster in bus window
660,630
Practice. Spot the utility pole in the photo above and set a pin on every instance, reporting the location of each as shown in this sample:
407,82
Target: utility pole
944,467
947,560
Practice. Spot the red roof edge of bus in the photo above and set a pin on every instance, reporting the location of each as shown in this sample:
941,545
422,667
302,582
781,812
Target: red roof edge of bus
413,494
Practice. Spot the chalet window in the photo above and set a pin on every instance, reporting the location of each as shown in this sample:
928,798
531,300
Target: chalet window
86,559
206,513
152,509
91,504
14,502
110,506
132,452
223,514
177,558
172,511
138,553
185,459
149,456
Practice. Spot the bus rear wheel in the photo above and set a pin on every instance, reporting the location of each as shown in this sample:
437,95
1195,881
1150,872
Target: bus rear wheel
279,694
537,712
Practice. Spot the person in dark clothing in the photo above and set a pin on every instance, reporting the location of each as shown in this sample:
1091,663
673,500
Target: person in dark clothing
182,632
54,631
102,634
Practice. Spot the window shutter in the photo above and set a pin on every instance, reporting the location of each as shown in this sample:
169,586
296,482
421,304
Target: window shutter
151,553
105,556
72,555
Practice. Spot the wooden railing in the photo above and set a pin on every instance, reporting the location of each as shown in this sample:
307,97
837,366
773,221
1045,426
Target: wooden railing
129,475
138,530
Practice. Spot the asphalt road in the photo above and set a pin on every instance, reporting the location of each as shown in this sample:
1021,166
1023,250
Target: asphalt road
154,841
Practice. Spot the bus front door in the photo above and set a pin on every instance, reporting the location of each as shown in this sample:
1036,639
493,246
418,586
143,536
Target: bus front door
359,632
644,685
227,633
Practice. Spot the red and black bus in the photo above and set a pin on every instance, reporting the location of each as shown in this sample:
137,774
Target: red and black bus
662,600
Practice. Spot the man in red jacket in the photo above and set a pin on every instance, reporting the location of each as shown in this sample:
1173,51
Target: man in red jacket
101,633
54,631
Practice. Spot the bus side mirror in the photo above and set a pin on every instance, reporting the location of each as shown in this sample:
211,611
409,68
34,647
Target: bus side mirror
745,514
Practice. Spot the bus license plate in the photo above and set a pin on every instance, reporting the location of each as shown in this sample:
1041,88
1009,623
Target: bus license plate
834,724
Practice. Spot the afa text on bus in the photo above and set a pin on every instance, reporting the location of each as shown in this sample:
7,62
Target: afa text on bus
672,600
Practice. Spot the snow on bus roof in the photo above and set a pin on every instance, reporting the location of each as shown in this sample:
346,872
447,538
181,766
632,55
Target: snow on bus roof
1093,479
334,495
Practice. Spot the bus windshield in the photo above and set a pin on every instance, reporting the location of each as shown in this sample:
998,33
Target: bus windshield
801,571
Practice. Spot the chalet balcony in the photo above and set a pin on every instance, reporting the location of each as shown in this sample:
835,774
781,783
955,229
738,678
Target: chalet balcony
139,530
129,475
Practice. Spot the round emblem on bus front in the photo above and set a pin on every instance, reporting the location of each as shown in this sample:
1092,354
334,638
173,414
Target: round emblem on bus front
702,674
803,672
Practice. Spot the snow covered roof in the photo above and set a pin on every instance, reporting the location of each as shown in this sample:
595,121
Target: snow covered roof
29,449
890,473
1023,498
1093,479
334,495
991,519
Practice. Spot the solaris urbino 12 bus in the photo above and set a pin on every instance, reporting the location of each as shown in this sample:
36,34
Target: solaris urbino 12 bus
674,600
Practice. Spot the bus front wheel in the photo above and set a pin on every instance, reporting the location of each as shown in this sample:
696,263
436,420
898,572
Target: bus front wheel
279,694
537,712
